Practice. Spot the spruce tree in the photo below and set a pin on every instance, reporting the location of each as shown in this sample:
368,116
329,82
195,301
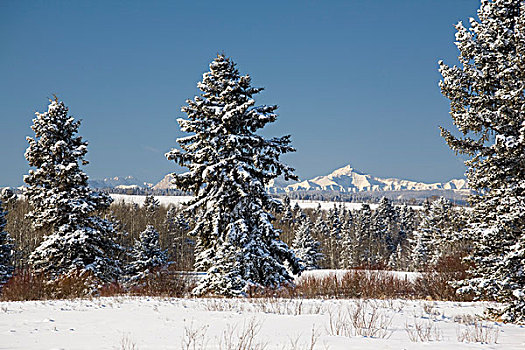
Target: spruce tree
332,242
287,217
487,106
305,247
62,205
363,239
151,206
6,250
146,255
229,166
383,226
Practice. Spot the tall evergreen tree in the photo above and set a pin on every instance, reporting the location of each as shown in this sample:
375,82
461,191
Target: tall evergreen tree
488,107
6,250
363,239
62,204
146,255
229,166
305,247
385,232
151,206
332,242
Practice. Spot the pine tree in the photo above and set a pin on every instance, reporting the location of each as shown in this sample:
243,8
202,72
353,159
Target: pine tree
146,255
333,239
151,206
383,226
441,220
422,244
305,247
287,217
487,106
6,250
407,226
182,245
62,204
321,232
363,238
348,244
229,167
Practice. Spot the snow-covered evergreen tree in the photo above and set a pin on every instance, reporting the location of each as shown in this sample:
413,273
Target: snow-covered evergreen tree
287,217
384,230
348,244
6,250
407,226
332,242
229,167
62,205
320,232
422,246
182,244
151,206
146,255
363,240
487,105
305,247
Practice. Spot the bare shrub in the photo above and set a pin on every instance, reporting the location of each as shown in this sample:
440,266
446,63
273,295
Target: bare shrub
478,332
437,283
111,289
363,318
295,343
243,338
355,284
76,284
194,338
369,321
165,282
25,285
127,344
338,323
423,331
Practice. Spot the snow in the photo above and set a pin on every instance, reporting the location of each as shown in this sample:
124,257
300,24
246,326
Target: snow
163,200
179,200
347,179
155,323
323,273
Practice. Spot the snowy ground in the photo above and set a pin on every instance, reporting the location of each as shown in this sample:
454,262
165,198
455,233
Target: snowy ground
167,200
148,323
323,273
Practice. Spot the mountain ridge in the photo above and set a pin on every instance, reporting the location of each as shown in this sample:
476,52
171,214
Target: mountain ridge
348,180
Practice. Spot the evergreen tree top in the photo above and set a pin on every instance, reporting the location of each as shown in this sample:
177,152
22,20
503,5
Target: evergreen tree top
223,146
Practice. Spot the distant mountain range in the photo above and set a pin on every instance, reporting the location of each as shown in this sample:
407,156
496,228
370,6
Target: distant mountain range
119,182
349,180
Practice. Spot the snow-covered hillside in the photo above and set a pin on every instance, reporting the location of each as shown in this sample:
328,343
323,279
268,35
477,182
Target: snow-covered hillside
154,323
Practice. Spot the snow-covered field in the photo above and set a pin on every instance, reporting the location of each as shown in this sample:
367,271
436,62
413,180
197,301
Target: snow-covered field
323,273
177,200
149,323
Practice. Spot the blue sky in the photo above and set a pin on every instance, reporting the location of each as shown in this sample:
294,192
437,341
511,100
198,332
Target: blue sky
356,81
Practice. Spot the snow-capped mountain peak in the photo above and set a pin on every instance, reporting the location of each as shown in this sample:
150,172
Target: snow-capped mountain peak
348,179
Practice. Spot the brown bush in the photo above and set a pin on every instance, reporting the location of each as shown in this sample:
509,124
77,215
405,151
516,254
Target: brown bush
76,284
436,284
165,282
355,284
25,285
